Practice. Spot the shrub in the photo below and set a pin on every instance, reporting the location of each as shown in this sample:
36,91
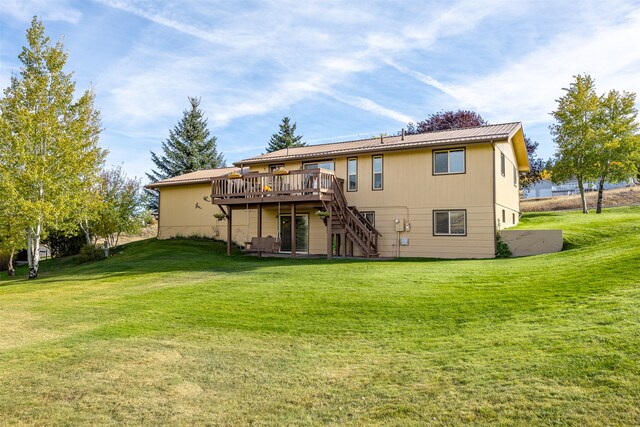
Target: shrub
90,253
503,248
62,245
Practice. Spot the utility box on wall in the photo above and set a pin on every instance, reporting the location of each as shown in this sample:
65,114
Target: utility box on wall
404,241
400,224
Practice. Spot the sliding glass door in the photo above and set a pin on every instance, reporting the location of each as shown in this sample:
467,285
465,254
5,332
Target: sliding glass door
302,233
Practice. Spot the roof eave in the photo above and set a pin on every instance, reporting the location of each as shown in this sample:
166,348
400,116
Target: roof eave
176,183
373,149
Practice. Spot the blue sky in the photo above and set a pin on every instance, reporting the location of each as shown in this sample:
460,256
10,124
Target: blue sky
340,69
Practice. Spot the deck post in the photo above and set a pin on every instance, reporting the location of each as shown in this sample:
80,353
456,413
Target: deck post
260,224
329,231
229,226
293,230
344,244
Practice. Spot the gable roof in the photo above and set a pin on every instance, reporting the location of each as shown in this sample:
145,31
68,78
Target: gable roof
470,135
197,177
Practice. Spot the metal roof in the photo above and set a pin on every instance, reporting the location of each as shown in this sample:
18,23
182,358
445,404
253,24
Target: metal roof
197,177
446,137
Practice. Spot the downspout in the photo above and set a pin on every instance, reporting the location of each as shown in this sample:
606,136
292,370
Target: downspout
159,210
495,227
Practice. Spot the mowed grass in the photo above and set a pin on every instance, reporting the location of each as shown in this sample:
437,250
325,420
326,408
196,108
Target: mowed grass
174,332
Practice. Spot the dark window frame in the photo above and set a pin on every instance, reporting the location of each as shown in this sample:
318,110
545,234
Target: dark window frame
373,214
373,172
320,161
433,216
449,150
356,174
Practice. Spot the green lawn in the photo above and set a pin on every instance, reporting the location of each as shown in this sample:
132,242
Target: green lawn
176,332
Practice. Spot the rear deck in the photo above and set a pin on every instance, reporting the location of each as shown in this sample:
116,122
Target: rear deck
260,188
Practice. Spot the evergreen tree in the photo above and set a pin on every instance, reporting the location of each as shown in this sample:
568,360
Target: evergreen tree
49,154
285,138
190,147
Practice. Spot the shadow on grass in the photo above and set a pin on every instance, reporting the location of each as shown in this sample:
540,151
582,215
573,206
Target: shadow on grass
182,254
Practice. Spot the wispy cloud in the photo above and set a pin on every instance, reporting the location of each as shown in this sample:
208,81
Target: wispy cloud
525,89
24,10
290,52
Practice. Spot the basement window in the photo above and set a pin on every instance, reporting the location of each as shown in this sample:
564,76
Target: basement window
450,223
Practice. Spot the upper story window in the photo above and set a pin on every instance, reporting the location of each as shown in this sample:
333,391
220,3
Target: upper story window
352,174
377,172
323,164
503,164
449,161
515,177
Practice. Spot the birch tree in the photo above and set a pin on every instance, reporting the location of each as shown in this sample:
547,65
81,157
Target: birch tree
51,139
574,133
618,144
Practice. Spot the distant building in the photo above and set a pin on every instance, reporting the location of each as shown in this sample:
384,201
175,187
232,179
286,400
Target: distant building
546,188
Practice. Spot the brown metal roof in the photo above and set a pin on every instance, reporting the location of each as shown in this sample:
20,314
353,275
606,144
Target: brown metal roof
388,143
197,177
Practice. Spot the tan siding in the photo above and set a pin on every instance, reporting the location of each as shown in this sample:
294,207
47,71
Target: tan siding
507,195
410,192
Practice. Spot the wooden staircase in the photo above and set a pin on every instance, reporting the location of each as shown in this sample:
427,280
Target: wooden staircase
350,226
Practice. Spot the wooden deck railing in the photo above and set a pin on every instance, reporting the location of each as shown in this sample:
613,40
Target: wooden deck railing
259,186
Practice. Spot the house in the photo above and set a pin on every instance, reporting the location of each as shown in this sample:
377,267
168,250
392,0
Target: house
546,188
440,194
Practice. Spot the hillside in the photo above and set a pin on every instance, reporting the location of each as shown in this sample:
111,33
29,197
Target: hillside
174,332
611,198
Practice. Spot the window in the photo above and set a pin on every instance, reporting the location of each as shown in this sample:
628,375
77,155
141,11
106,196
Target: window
448,161
450,223
503,164
377,173
515,177
513,218
371,217
273,168
504,216
352,174
324,164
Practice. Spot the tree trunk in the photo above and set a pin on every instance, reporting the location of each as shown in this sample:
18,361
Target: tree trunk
33,251
84,225
600,191
583,197
10,270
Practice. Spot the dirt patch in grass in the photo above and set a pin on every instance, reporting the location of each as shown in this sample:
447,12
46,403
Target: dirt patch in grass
150,231
619,197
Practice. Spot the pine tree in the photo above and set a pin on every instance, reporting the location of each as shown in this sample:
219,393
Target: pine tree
49,154
190,147
285,138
